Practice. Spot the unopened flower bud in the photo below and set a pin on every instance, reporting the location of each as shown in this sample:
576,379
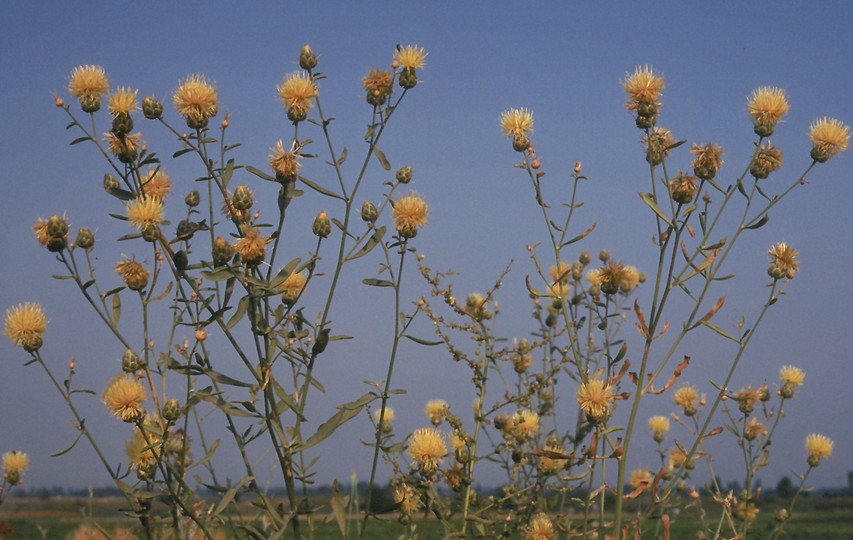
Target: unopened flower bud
122,124
577,168
110,183
85,238
604,255
369,212
150,232
520,142
222,251
787,390
307,58
200,333
404,174
322,226
242,199
193,198
130,362
180,260
782,515
151,108
186,229
171,410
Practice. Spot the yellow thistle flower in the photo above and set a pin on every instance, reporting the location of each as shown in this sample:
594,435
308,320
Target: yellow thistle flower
539,528
768,159
829,137
677,457
134,275
88,84
406,498
144,211
251,246
126,148
644,86
385,424
296,92
658,143
783,261
457,442
708,160
792,375
284,162
683,188
525,424
141,453
641,478
435,410
14,463
25,325
615,277
552,465
746,510
410,214
517,122
410,56
156,183
292,287
767,105
818,447
427,448
124,397
746,398
196,100
475,306
377,83
659,426
753,428
122,100
40,230
594,397
686,397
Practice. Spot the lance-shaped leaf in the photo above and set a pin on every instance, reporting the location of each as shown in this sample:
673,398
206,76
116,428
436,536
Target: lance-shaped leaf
649,199
259,173
581,236
320,189
380,155
374,239
641,320
345,413
676,373
718,305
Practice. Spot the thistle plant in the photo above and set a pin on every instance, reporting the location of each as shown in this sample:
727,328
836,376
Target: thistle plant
556,409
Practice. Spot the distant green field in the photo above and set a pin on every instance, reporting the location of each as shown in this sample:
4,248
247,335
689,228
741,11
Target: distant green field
66,518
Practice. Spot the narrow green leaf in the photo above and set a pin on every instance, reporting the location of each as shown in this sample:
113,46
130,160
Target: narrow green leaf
424,341
61,276
79,140
179,153
320,189
122,194
242,308
720,331
260,173
219,274
380,155
675,144
345,413
339,337
116,308
649,199
581,236
373,282
118,216
371,243
228,172
760,223
370,131
229,495
66,450
225,379
131,236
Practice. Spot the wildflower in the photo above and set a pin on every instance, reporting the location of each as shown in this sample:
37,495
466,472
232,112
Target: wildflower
296,92
539,528
708,160
14,463
560,274
614,277
322,226
525,424
767,160
88,84
791,377
746,510
307,57
521,358
377,83
594,397
134,275
156,183
427,448
292,287
151,108
783,261
122,101
517,122
829,137
409,59
641,478
746,398
283,162
196,100
475,306
221,251
677,458
658,425
435,410
85,238
251,246
753,428
124,397
551,464
145,213
767,105
126,148
406,498
683,188
140,453
410,213
644,88
686,398
25,325
385,423
658,144
818,447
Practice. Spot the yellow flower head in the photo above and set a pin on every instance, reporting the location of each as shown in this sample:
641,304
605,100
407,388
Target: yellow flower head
122,100
768,159
251,246
516,122
476,307
297,92
435,410
615,277
551,464
829,137
141,453
677,457
134,275
292,287
767,105
753,428
25,325
406,498
644,87
783,261
658,144
683,188
641,478
40,230
156,183
792,375
124,397
746,509
377,83
88,84
284,162
145,211
126,148
410,214
594,398
410,56
686,397
659,426
525,424
539,528
385,424
14,463
818,447
427,448
196,100
708,160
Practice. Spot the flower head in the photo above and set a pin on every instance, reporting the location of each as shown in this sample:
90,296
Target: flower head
644,88
141,453
410,56
292,287
658,144
768,159
377,83
525,424
829,137
641,478
708,160
818,447
284,162
124,397
658,425
476,306
14,463
427,448
746,398
686,397
783,261
550,461
251,246
125,148
767,105
594,397
384,421
410,214
122,101
753,428
614,277
156,183
88,84
792,375
683,188
539,528
435,409
25,325
517,122
196,100
134,275
145,211
296,92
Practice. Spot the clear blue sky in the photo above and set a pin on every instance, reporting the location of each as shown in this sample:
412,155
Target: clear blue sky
562,60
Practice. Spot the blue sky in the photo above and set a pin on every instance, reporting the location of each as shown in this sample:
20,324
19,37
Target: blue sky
563,61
